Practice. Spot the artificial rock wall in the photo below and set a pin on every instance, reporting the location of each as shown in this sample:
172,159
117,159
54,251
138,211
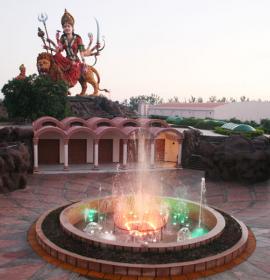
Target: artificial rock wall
15,157
234,158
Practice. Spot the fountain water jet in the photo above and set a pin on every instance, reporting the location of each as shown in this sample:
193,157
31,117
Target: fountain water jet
144,212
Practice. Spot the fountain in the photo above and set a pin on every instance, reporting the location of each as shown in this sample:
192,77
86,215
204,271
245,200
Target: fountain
133,221
139,218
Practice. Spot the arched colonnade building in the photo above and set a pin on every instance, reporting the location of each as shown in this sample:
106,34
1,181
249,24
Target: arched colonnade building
100,140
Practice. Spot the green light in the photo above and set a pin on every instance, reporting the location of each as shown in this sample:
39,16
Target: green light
180,217
197,232
90,214
179,212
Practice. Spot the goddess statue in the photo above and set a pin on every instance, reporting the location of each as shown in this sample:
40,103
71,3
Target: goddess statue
72,65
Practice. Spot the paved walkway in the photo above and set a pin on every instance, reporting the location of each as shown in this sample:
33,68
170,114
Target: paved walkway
18,210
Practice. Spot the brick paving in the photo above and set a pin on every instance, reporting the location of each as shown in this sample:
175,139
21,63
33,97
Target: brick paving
18,210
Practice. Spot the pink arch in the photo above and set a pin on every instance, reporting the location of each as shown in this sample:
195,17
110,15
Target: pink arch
69,120
130,130
37,124
117,121
156,131
46,129
101,131
120,122
148,122
93,122
130,121
76,129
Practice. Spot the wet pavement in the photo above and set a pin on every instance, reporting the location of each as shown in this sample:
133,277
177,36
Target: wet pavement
18,210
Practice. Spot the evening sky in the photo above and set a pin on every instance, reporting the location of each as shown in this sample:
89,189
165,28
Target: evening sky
170,48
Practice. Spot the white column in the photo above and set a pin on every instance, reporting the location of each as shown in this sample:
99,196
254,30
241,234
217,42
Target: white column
96,155
179,157
35,156
65,154
152,153
125,154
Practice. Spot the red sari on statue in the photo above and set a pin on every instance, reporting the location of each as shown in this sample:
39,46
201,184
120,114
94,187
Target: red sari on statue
70,65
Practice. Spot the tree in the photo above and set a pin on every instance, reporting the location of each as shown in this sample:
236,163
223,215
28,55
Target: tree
192,99
134,101
235,120
34,97
174,99
212,99
265,124
200,100
223,99
232,99
244,98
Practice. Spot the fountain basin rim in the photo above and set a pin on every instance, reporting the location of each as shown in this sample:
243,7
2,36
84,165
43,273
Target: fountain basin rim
219,259
70,229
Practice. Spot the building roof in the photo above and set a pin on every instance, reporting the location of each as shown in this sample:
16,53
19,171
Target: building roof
208,105
123,127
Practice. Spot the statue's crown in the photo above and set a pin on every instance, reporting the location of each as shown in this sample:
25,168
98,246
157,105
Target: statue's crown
67,18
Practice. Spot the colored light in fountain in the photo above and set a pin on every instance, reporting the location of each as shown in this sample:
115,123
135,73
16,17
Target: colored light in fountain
179,212
90,214
179,218
148,224
140,216
197,232
140,228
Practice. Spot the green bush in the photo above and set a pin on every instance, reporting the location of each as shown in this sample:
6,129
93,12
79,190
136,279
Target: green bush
158,117
34,97
265,125
208,124
189,121
197,123
249,134
174,120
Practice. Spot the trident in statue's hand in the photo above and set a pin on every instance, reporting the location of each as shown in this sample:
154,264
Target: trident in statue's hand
43,18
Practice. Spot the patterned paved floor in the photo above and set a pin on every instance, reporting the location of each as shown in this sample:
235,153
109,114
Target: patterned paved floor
18,210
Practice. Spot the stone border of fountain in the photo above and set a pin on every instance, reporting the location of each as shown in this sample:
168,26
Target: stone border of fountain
127,269
73,214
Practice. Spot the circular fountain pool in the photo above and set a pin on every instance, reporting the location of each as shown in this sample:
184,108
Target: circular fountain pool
169,224
60,232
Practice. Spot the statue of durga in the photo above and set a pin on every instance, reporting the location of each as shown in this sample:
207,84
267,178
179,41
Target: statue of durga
70,68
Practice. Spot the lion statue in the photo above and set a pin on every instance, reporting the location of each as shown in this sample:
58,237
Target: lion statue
47,66
88,76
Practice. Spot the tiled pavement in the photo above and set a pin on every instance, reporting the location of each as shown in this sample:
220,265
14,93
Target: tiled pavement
18,210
